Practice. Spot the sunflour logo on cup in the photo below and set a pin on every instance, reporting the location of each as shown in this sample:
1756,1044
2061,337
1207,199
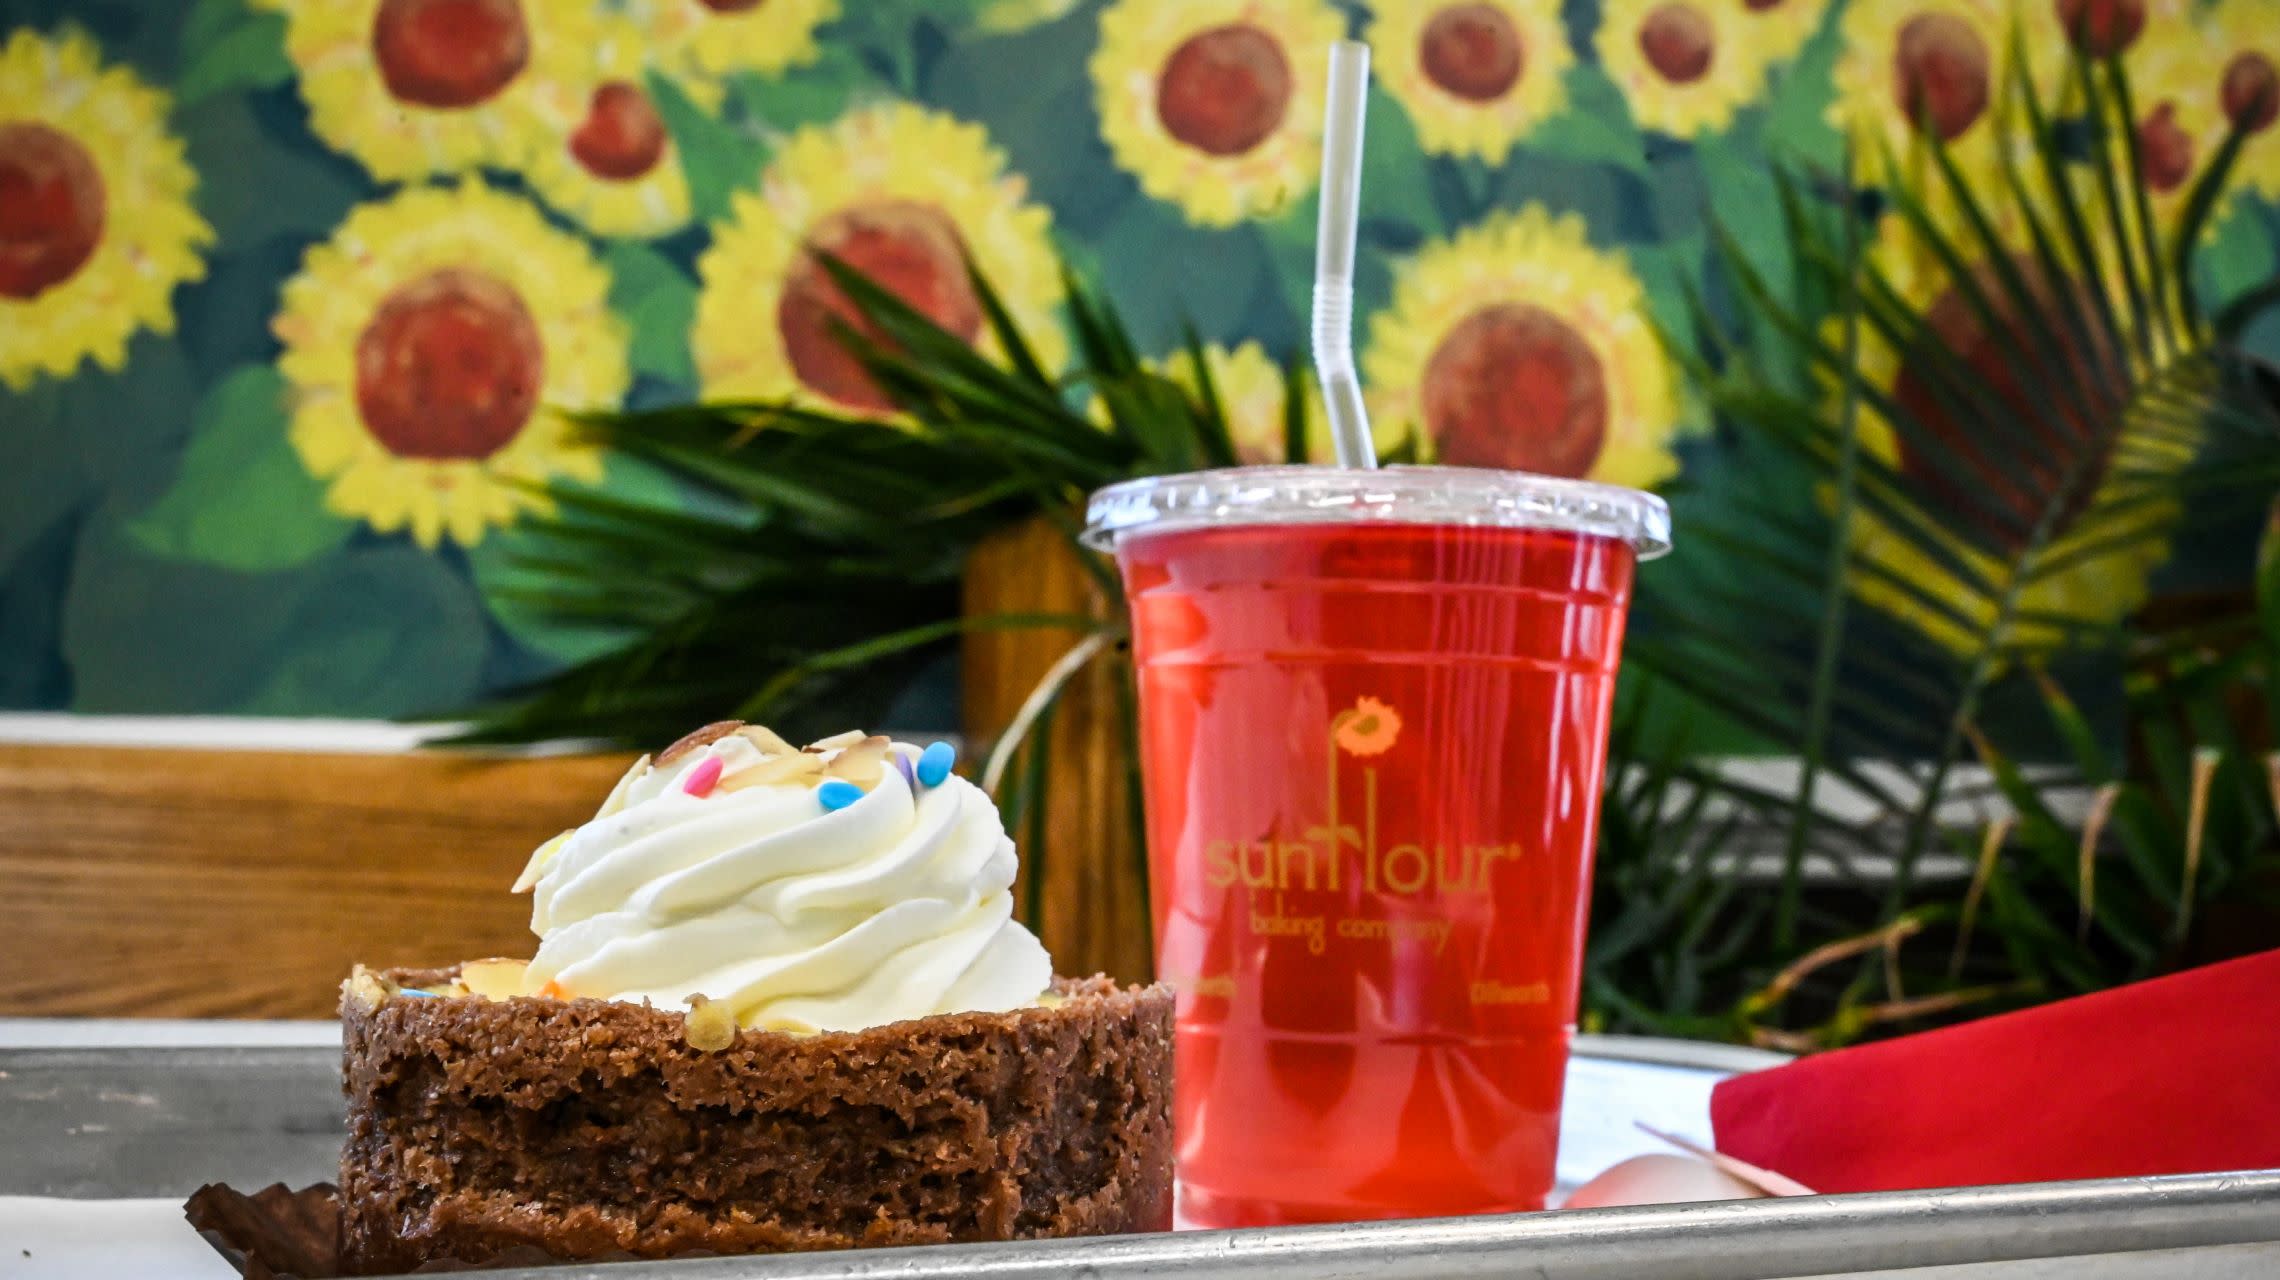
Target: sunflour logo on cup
1349,850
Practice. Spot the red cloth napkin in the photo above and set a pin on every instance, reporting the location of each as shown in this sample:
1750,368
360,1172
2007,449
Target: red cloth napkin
2177,1075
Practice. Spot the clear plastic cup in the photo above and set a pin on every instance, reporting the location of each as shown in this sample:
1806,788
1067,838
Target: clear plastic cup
1373,720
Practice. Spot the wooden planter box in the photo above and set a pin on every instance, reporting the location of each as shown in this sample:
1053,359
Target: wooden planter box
1094,895
220,881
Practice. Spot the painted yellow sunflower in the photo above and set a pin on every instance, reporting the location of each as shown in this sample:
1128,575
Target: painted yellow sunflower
1475,75
607,159
2095,568
435,347
704,40
1518,345
418,87
1216,105
1684,65
96,224
1911,69
903,195
1777,29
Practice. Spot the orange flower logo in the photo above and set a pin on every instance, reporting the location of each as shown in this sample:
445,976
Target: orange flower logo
1367,730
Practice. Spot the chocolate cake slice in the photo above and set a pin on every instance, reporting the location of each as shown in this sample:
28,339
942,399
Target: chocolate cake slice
592,1128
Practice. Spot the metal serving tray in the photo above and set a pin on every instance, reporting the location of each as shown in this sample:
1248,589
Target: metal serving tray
140,1121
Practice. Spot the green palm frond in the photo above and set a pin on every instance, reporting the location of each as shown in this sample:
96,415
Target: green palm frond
1874,579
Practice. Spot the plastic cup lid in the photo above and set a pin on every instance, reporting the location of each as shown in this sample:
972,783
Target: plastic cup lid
1392,495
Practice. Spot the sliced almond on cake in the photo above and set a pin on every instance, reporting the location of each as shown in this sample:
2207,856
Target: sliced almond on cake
863,762
615,800
697,740
796,767
539,858
763,737
493,979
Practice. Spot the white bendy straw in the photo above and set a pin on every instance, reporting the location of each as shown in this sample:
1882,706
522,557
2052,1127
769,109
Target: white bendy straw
1334,254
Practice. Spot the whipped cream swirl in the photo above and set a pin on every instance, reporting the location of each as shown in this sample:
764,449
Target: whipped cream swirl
798,918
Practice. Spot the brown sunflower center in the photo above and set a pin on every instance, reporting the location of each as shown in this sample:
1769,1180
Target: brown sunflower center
2251,91
51,208
731,6
912,250
622,137
2165,150
1677,41
1941,67
1471,51
2101,28
449,53
2000,477
448,367
1761,6
1224,91
1514,386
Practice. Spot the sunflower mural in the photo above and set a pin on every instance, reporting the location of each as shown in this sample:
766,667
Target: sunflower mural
1519,345
434,348
1215,106
293,286
1474,75
905,195
96,221
1685,66
601,153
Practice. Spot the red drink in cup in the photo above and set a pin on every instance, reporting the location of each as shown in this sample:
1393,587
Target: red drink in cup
1373,712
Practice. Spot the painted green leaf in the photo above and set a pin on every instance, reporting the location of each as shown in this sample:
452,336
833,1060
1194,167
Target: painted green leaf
360,631
1050,130
1218,269
1746,202
1661,269
659,301
1797,125
810,94
258,184
716,157
1596,125
227,47
242,499
391,631
64,442
2234,257
898,40
1391,158
40,473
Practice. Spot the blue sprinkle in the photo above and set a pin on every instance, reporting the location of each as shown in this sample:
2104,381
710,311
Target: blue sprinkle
838,793
934,763
415,991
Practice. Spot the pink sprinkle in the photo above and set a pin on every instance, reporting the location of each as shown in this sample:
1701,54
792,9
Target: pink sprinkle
703,777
